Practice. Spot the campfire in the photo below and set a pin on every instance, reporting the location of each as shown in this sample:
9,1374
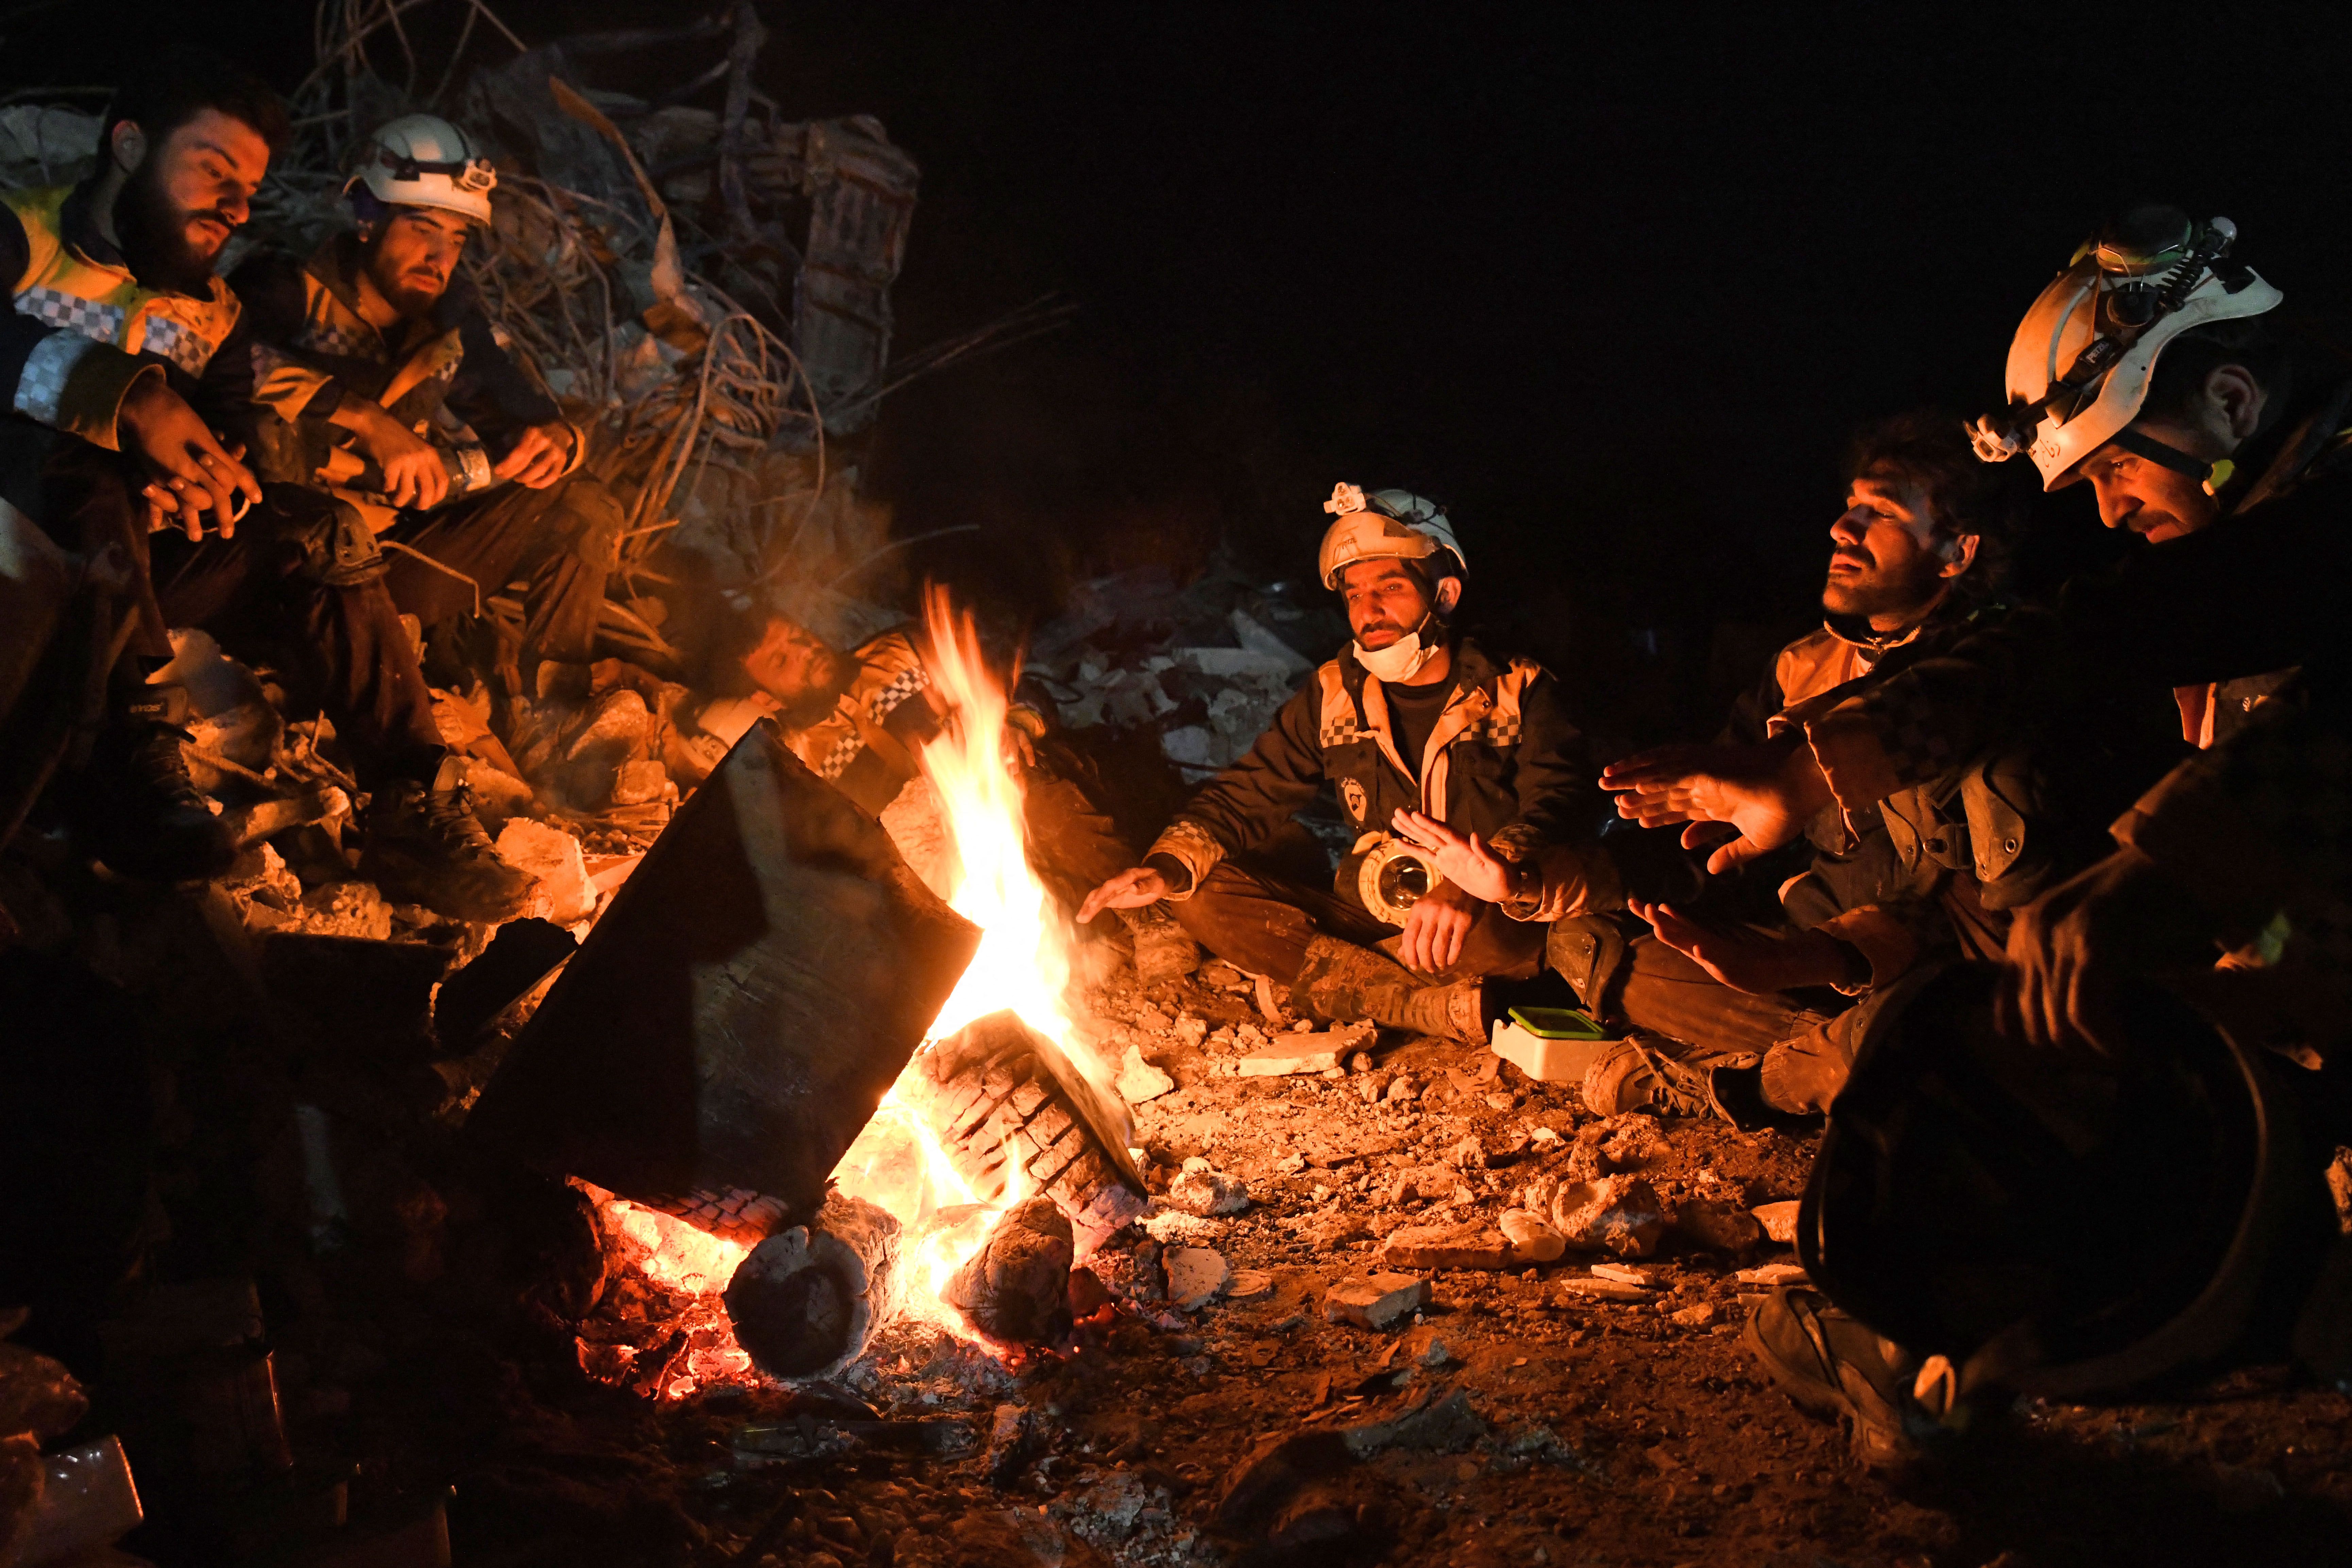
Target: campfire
995,1159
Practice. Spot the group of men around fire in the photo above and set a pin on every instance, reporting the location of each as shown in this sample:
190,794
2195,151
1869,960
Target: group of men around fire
2098,847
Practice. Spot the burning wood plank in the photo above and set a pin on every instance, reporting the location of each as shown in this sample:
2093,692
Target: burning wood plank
742,1007
999,1095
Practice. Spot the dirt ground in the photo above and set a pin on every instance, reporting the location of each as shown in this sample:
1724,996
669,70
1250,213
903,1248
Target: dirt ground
1511,1421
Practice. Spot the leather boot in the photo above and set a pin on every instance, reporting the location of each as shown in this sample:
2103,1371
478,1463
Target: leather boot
137,810
1164,951
1343,983
426,847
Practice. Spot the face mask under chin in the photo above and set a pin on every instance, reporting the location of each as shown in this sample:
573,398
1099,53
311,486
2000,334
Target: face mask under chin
1402,660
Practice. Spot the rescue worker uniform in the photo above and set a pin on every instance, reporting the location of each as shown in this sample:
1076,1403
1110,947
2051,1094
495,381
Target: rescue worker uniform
868,745
443,374
1500,758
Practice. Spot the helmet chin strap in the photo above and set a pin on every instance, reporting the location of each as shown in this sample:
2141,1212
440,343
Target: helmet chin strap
2212,476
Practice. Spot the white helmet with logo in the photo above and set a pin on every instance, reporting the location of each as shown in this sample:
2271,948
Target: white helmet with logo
2080,365
1387,525
421,161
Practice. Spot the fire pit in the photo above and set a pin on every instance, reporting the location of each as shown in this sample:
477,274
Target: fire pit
805,1093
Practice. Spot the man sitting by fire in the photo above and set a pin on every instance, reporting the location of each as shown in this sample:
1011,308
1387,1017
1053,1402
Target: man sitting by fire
860,719
1491,755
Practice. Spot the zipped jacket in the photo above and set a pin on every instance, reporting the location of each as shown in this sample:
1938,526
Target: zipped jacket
1502,761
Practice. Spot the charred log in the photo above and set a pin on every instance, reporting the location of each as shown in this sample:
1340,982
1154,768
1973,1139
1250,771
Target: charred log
807,1299
1016,1288
998,1095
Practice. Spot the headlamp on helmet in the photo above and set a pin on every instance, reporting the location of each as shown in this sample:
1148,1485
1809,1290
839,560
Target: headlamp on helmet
423,161
2080,365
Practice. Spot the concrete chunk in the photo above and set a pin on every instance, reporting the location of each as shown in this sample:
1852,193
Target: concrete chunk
1779,1220
1375,1300
1616,1214
1138,1080
1293,1054
1446,1247
1532,1238
1196,1276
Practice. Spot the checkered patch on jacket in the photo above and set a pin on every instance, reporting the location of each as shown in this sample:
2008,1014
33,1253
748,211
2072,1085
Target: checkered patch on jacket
98,321
333,338
905,684
174,342
845,752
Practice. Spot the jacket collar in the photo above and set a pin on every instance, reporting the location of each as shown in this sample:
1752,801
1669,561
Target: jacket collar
1855,631
1471,667
336,265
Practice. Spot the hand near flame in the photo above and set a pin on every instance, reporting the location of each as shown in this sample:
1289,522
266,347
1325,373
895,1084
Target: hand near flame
1131,889
1768,792
1463,861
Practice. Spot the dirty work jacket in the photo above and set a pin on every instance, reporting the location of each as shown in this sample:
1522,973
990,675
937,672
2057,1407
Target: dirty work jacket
441,374
868,745
1502,761
85,328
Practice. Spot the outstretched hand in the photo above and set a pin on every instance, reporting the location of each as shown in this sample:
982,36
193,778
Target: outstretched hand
1768,792
1463,859
1749,960
1131,889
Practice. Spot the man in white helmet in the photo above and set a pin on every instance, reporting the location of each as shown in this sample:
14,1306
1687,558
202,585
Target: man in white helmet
383,384
1419,730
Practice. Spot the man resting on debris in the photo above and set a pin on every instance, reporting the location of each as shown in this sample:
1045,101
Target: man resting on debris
116,312
1427,738
378,385
1745,1017
860,721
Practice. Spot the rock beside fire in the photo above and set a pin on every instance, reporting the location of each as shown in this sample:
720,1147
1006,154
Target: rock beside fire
1616,1214
1016,1286
806,1300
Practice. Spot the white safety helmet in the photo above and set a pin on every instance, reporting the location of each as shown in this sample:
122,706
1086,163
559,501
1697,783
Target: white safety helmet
2080,365
1387,525
423,161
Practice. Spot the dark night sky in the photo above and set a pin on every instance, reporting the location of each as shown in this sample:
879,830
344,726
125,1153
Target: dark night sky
1615,282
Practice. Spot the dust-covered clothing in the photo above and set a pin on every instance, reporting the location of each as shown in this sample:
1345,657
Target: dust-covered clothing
1502,761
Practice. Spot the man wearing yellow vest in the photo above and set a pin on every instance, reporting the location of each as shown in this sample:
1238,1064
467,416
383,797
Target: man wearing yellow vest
1415,727
379,382
116,314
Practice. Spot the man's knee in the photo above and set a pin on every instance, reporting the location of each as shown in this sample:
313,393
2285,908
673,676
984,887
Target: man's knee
591,517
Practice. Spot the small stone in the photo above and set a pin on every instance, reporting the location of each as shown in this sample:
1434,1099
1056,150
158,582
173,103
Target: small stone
1291,1164
1206,1193
1721,1226
1623,1275
1616,1214
1501,1101
1375,1300
1606,1289
1772,1276
1191,1031
1360,1062
1532,1238
1779,1220
1196,1275
1153,1019
1436,1356
1249,1285
565,894
1138,1080
1403,1089
1445,1246
1700,1315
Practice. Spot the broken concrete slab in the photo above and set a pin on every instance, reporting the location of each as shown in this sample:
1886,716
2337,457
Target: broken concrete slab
1616,1214
1446,1247
1138,1080
1779,1220
1532,1238
1725,1227
1375,1300
1196,1276
566,894
1293,1054
1772,1277
1606,1289
1207,1193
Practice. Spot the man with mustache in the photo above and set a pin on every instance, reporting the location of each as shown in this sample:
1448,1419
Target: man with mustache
117,314
1420,731
382,383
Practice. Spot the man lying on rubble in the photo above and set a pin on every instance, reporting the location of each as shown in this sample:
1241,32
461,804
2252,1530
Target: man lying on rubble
379,384
1421,732
116,312
860,721
2211,433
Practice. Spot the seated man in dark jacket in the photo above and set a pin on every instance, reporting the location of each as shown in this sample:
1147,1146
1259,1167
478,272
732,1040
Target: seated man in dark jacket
1411,718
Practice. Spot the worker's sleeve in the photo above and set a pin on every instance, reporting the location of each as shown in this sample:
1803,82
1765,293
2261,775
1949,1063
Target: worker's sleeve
1891,937
1245,804
55,376
1752,715
1553,837
257,366
494,394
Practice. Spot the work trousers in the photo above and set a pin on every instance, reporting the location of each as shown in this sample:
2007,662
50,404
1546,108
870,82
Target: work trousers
340,650
1262,922
1805,1053
560,542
